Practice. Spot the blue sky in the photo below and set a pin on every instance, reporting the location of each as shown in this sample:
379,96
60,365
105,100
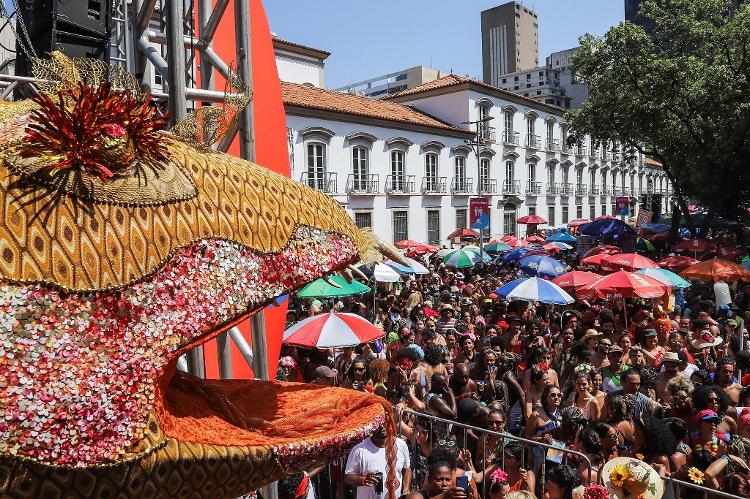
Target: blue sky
371,38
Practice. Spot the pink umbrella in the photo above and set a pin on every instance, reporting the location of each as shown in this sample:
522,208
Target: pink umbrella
332,330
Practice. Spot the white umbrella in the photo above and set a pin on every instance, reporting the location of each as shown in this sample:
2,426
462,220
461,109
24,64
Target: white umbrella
443,252
384,273
417,267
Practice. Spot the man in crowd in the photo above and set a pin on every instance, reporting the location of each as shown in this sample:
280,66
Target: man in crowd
366,467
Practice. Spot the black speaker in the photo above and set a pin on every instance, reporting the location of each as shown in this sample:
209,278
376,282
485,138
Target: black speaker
78,28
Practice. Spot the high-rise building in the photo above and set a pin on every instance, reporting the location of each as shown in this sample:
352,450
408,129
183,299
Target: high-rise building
510,41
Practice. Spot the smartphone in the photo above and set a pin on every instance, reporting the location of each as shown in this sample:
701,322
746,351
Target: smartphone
462,482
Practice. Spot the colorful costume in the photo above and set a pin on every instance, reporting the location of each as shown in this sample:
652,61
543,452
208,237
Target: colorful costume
122,247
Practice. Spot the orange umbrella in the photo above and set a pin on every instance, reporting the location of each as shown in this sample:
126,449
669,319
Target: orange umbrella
693,246
628,261
716,270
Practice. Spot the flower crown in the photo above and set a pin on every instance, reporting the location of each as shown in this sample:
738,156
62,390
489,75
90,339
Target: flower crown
287,361
583,368
499,476
540,368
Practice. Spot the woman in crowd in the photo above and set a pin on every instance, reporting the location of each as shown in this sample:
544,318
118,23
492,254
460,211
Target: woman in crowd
544,422
582,396
595,376
357,376
539,375
561,480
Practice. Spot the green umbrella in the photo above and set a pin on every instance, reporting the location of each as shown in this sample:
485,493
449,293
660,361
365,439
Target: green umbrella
321,289
667,277
461,258
498,247
644,244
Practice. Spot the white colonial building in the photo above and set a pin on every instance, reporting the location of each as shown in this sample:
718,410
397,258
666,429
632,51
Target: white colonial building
402,165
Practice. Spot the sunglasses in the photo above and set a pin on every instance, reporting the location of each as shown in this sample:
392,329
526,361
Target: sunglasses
556,395
496,423
358,369
446,443
714,400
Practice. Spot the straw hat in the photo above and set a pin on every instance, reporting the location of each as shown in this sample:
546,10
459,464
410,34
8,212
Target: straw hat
627,477
706,339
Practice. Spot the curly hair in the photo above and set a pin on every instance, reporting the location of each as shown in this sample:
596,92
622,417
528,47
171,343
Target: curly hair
566,478
659,441
621,407
379,370
433,354
678,427
680,383
700,398
442,456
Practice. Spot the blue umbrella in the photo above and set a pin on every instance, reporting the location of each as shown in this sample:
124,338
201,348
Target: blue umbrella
746,265
516,254
656,228
562,237
542,266
607,227
535,289
562,246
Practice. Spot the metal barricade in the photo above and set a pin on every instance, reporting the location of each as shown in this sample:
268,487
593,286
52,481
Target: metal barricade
407,416
679,485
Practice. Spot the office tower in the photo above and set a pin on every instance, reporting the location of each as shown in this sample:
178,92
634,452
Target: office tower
510,40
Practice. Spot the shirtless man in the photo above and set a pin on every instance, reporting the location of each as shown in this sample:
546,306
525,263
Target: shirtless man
462,385
671,363
725,379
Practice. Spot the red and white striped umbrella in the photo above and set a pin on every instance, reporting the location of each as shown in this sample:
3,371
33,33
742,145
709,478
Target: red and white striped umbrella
332,330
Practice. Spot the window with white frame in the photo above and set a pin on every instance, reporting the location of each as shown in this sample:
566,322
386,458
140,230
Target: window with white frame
460,169
604,180
604,209
360,167
398,170
579,211
363,219
433,226
532,210
400,225
510,217
564,215
592,177
614,181
579,176
550,133
484,173
316,165
550,175
565,173
592,212
431,170
508,123
461,218
551,216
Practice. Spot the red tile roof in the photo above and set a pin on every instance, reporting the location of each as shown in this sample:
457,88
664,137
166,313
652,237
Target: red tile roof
652,162
456,80
310,97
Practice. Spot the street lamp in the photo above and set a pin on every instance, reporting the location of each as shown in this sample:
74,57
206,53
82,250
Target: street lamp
475,144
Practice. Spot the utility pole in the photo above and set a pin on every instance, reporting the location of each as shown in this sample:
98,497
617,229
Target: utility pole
475,145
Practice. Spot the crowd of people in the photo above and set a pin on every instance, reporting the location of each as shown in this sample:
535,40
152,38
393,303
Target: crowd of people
475,381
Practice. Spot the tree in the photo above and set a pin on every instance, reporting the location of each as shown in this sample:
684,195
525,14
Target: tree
679,94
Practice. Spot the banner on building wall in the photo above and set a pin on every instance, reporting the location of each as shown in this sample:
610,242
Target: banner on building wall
479,213
622,206
644,217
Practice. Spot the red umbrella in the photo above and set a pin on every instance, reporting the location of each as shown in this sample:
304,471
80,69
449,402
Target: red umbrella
535,239
628,261
726,253
594,260
576,279
532,220
406,243
622,284
551,247
421,249
693,245
578,222
716,270
677,263
463,233
513,241
662,236
332,330
606,249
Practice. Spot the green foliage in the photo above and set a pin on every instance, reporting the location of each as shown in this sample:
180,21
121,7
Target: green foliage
680,94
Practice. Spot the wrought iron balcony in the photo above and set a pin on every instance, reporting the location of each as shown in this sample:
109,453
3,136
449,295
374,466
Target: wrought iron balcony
582,190
433,185
512,187
553,189
533,141
593,152
363,184
486,134
606,191
399,184
321,181
488,186
510,137
566,149
615,155
553,145
580,150
595,190
534,188
462,185
566,189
